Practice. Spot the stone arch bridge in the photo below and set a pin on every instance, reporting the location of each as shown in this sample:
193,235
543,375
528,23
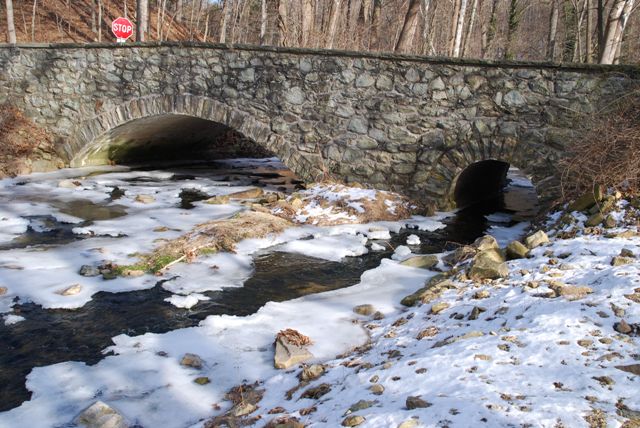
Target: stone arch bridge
391,121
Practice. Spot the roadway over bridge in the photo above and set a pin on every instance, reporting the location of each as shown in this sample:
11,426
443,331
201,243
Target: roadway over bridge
398,122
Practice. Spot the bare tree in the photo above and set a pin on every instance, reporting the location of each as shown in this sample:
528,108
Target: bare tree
226,14
489,30
409,27
616,23
472,23
33,20
283,28
142,17
179,11
333,22
307,21
588,48
11,28
457,41
553,30
263,22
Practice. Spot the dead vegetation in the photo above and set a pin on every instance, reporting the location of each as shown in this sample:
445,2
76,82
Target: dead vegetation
606,152
293,337
20,139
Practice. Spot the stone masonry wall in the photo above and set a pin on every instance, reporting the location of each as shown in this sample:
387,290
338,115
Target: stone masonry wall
396,122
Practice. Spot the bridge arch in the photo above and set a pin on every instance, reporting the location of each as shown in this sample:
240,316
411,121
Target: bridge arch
91,136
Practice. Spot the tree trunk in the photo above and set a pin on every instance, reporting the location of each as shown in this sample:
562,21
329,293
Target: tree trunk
454,26
11,28
588,51
179,11
282,23
33,20
515,15
409,27
489,31
600,27
426,28
333,22
374,39
472,23
226,12
618,17
307,21
457,42
99,21
553,31
263,22
142,17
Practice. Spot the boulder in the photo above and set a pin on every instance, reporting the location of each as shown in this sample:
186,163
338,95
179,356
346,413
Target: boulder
594,220
516,250
570,292
535,240
489,264
425,262
353,420
218,200
587,200
439,307
288,354
252,193
416,403
429,292
376,389
632,368
312,372
88,270
621,261
460,255
100,415
486,242
625,252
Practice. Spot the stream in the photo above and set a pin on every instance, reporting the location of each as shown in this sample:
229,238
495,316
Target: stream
52,229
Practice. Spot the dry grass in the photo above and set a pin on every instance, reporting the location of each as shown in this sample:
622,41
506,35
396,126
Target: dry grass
607,151
214,236
294,337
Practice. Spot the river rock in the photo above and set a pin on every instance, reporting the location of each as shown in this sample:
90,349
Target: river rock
243,409
71,290
417,403
622,327
218,200
535,240
288,354
376,389
100,415
489,264
409,423
88,270
3,291
192,360
145,199
516,250
353,420
312,372
460,255
633,369
252,193
362,405
365,310
432,290
586,201
594,220
485,243
570,292
625,252
425,262
69,184
621,261
439,307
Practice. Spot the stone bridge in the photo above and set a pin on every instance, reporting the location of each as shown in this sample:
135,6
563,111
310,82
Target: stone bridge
398,122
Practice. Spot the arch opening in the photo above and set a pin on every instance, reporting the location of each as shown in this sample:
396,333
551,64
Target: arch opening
171,138
480,182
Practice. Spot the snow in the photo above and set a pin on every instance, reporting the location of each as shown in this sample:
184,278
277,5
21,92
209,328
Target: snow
333,248
186,302
413,240
11,319
401,252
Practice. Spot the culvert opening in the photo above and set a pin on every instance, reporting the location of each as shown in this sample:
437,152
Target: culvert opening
480,182
174,138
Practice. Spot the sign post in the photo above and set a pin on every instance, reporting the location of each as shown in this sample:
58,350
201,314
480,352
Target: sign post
122,28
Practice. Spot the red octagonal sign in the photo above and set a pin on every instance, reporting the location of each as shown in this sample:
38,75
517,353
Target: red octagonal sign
122,28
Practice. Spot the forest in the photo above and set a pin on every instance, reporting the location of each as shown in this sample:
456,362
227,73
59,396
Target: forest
572,31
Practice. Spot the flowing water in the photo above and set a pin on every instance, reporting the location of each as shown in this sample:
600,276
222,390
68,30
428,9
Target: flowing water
49,336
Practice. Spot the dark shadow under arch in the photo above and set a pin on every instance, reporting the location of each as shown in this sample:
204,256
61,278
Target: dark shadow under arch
480,181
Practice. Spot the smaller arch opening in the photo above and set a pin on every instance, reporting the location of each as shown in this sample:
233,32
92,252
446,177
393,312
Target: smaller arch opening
480,182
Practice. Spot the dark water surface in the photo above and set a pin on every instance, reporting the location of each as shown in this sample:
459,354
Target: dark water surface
50,336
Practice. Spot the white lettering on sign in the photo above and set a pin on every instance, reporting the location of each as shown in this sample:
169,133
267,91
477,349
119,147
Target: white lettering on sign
122,27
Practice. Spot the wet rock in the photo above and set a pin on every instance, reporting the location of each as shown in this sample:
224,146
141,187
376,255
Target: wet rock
485,243
71,290
88,270
488,264
191,360
365,310
252,193
145,199
3,291
202,380
632,368
439,307
218,200
353,420
312,372
535,240
416,403
587,200
288,353
516,250
621,261
424,262
100,415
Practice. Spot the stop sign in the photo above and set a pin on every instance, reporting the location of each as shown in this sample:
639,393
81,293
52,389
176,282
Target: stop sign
122,28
